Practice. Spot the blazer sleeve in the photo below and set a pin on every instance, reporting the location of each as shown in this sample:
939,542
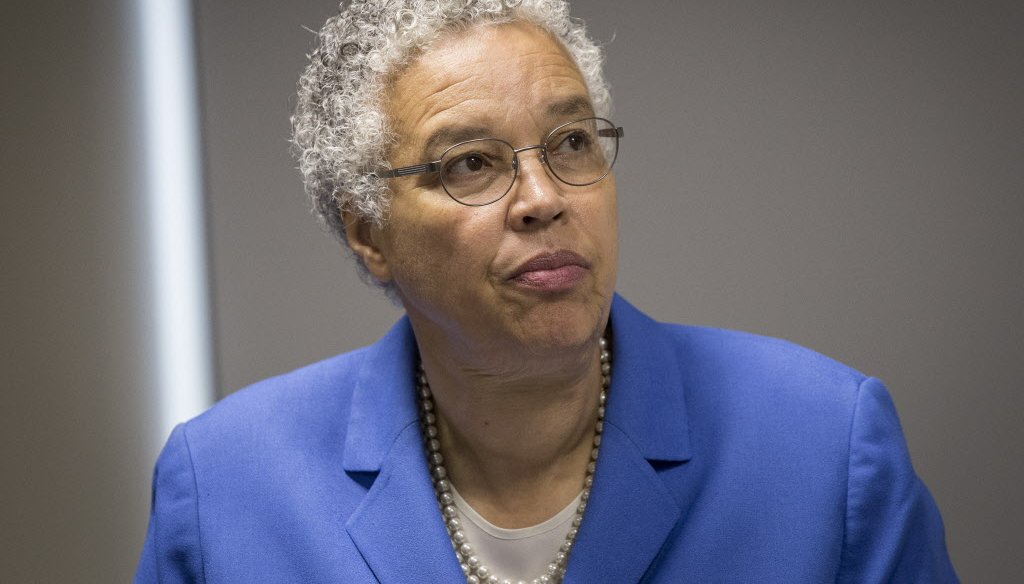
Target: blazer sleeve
893,529
172,553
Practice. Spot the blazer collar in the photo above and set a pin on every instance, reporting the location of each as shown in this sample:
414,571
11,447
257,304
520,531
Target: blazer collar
630,513
383,401
646,401
397,526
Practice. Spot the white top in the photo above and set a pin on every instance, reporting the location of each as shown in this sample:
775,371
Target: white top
515,554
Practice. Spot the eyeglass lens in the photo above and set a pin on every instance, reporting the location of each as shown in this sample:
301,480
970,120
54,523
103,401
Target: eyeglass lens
480,172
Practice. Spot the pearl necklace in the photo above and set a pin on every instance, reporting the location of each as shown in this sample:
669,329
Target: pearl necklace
476,572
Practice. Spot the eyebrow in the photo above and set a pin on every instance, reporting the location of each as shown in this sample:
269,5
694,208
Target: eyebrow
451,135
576,104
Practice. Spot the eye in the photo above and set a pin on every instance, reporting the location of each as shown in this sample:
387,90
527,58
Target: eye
466,164
574,141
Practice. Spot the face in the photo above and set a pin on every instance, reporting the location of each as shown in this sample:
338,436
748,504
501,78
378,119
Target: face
533,271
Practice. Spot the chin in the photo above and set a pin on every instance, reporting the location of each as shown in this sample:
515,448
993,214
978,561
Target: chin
563,325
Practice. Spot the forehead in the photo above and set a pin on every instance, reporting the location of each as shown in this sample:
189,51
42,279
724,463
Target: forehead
509,78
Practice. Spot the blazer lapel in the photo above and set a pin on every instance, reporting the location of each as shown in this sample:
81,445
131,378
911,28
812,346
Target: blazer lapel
629,515
631,511
397,526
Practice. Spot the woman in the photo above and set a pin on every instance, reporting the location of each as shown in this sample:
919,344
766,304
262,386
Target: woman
522,423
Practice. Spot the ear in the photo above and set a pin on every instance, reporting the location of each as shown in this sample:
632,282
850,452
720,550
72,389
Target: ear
365,240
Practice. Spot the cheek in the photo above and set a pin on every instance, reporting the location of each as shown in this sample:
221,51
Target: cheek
601,219
417,253
437,255
602,224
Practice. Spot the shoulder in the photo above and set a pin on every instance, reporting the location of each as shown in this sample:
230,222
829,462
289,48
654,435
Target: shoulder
766,386
726,357
784,445
733,382
302,405
739,397
262,466
734,355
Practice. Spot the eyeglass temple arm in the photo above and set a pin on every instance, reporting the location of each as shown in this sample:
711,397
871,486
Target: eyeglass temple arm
611,133
409,170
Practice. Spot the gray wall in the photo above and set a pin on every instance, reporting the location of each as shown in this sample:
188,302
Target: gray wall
843,174
75,353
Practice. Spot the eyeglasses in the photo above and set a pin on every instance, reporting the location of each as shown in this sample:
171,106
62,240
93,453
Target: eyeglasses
480,172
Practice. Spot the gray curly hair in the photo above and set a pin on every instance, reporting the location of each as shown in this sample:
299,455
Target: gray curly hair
340,133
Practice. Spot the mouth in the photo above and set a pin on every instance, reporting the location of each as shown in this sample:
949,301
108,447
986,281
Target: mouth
551,271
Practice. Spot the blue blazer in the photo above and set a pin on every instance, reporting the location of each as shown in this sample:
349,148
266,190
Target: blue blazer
726,457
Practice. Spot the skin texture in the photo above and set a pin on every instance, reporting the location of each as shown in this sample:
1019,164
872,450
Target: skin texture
513,366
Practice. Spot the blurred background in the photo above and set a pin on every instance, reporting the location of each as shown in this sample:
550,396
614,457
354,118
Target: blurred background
845,175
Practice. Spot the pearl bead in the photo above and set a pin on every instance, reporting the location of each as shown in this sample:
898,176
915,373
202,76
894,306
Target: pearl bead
476,572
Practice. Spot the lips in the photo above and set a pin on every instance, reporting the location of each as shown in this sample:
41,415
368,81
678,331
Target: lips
556,271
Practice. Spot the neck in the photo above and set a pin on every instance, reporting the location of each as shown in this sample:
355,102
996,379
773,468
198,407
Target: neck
516,442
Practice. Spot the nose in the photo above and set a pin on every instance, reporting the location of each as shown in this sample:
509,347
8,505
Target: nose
536,197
